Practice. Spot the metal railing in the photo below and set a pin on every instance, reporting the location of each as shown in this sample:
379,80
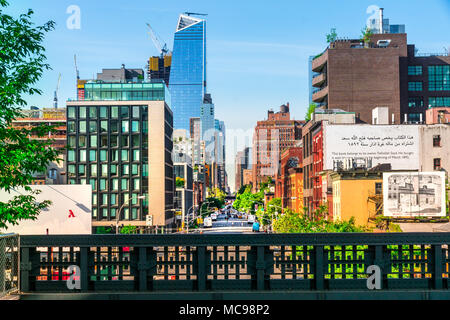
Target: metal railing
9,264
250,262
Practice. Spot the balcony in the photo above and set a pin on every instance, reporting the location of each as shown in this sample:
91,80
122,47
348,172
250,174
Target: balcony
237,266
319,62
319,79
320,94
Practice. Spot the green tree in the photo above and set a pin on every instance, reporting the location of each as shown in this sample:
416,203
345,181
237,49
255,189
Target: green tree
128,229
266,215
332,36
311,109
179,182
22,63
366,35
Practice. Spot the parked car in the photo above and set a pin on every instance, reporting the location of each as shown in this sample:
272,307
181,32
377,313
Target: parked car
207,222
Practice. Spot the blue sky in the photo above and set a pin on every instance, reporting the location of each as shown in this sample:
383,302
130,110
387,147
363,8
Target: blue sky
257,51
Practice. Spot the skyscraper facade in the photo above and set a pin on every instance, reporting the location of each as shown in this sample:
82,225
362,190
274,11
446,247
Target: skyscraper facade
188,70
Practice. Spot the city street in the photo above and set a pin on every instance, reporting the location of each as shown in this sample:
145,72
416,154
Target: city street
232,225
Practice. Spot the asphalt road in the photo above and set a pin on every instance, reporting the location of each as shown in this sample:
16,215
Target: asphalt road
232,225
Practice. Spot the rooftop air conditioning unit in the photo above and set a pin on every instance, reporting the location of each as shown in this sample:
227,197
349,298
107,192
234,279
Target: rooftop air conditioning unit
383,43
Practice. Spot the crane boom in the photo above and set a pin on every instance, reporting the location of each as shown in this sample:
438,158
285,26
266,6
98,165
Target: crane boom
196,14
162,48
55,99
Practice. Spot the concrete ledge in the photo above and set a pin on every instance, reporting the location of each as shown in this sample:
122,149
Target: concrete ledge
249,295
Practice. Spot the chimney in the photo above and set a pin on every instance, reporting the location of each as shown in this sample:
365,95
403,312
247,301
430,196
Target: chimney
381,20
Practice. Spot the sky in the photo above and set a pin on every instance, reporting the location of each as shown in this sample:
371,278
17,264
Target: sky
257,51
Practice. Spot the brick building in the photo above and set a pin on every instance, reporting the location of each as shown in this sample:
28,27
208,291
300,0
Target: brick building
271,137
386,72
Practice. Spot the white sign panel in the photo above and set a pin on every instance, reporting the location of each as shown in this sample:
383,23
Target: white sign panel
414,194
366,146
69,213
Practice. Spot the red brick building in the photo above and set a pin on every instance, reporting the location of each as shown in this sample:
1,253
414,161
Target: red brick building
285,189
271,137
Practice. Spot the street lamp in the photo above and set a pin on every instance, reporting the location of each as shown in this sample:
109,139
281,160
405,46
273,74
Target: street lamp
120,210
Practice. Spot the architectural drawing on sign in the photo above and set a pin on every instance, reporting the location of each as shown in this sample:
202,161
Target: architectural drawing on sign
414,194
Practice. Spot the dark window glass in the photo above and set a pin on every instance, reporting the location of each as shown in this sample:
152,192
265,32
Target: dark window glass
124,112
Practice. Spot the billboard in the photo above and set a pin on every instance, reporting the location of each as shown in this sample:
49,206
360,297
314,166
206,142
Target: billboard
69,213
414,194
366,146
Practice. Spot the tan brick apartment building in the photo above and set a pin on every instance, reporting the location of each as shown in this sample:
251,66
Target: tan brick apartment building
387,72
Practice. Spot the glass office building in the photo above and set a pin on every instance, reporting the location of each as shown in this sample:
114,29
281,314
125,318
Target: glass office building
188,71
119,143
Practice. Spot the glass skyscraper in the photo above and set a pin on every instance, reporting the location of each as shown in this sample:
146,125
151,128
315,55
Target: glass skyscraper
188,71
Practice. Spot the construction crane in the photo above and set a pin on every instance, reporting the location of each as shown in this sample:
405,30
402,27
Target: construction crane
55,99
76,68
195,14
161,47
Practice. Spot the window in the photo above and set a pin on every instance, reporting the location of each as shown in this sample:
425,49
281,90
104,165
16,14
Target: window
124,155
437,164
414,117
92,155
114,141
104,172
93,183
134,169
104,212
71,155
126,213
124,142
94,212
82,141
124,184
135,155
94,199
114,155
439,101
93,170
414,70
124,112
81,169
134,213
114,126
113,199
93,143
414,86
103,112
439,78
115,184
125,126
82,126
82,112
103,126
103,141
436,141
135,139
71,112
113,212
136,112
135,126
92,126
82,155
92,112
125,169
102,186
135,184
113,169
415,102
114,112
103,155
71,169
70,126
105,199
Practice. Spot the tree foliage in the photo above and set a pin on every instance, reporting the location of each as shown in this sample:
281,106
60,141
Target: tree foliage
311,109
292,222
22,63
273,208
332,36
366,35
247,200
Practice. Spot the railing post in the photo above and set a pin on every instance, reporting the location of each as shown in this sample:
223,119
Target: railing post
437,257
84,268
25,267
142,267
379,261
201,268
260,267
318,272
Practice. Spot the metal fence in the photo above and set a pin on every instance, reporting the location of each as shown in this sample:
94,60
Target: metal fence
250,262
9,263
